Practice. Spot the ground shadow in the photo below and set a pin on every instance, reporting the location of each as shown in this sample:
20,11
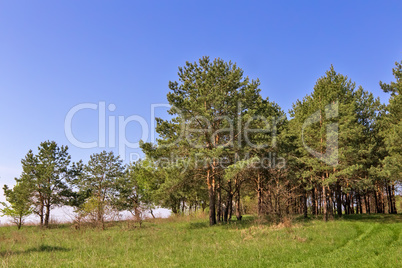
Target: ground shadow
245,222
198,225
248,221
41,248
381,218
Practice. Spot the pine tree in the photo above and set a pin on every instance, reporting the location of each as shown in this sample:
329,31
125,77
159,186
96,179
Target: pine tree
207,102
46,174
391,131
330,133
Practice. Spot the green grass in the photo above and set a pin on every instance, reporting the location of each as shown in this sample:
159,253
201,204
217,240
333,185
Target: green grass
354,241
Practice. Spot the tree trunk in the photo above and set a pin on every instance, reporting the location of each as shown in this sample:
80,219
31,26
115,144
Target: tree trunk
230,209
238,210
152,213
313,202
366,204
211,195
237,200
324,197
305,204
352,210
259,195
138,216
219,212
41,210
47,216
380,200
183,206
41,215
19,223
339,199
393,198
227,215
359,199
100,215
330,202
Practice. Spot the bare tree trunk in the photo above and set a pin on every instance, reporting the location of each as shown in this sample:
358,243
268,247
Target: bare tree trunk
318,200
152,213
380,200
227,214
313,201
330,202
47,215
41,211
393,199
19,224
138,216
366,206
359,200
259,195
211,194
238,210
339,199
41,215
219,212
305,203
230,209
324,197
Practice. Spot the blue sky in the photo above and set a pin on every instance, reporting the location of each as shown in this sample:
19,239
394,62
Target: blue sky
55,55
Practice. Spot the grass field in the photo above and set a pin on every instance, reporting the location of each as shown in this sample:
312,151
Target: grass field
354,241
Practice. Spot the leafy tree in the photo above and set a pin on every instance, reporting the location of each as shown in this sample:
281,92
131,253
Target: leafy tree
20,205
99,177
134,190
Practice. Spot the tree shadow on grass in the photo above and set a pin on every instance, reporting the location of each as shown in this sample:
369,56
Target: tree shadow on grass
41,248
198,225
380,218
246,222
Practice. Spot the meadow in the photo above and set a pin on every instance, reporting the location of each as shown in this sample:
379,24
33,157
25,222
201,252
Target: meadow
353,241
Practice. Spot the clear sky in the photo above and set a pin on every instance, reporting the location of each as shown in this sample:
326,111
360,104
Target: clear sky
55,55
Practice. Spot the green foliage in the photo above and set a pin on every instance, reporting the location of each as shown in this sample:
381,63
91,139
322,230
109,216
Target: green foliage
391,127
46,174
240,167
214,105
20,206
135,190
226,147
99,178
395,88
